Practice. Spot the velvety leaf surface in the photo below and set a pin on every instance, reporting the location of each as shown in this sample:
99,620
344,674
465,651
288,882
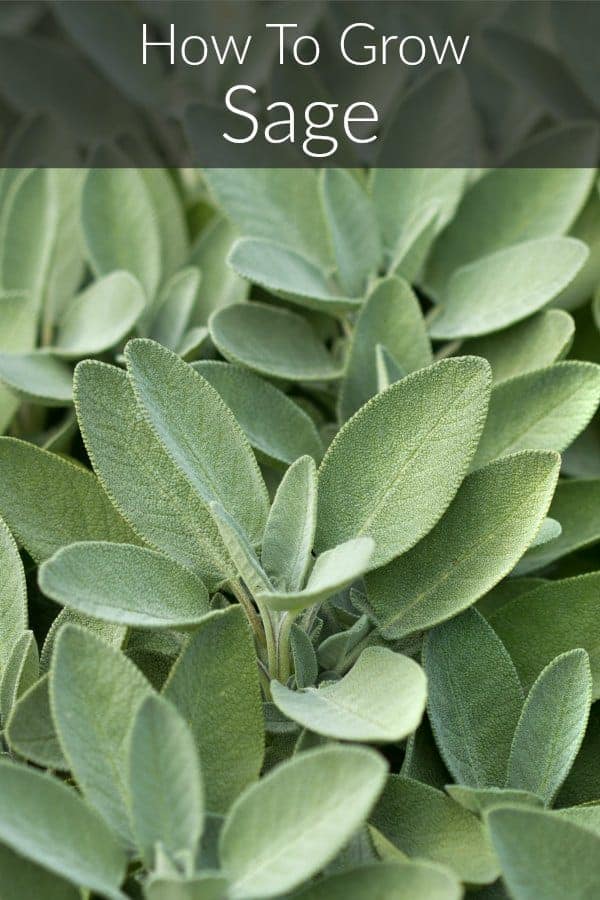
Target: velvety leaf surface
553,618
19,321
39,817
506,287
425,823
160,502
284,829
220,661
290,530
199,433
415,440
551,726
533,344
389,881
474,700
19,673
13,594
542,410
203,887
125,584
391,316
75,507
566,855
95,692
274,342
275,426
487,528
380,700
478,800
30,729
37,377
165,783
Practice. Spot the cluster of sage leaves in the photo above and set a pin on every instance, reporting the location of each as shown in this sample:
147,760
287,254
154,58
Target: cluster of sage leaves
298,596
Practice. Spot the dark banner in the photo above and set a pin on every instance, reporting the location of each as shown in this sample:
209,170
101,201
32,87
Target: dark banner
300,83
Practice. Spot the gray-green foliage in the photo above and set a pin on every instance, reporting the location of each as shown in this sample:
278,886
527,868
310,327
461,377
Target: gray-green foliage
283,446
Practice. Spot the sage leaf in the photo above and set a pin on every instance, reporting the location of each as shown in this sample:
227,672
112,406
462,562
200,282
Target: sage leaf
202,887
368,485
220,285
380,700
175,307
388,370
30,730
423,822
95,692
219,661
13,595
19,323
39,817
125,584
479,800
290,529
353,229
333,570
240,550
566,854
474,700
99,317
75,507
315,802
23,878
159,501
391,316
532,344
20,672
549,620
37,377
506,287
542,410
276,427
199,433
274,342
551,726
306,666
165,782
391,881
487,528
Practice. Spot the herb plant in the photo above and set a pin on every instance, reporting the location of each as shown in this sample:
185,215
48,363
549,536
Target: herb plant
299,597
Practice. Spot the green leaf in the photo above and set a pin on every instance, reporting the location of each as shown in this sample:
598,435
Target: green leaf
390,452
490,523
542,410
288,275
240,550
113,635
165,781
20,672
551,727
533,344
39,818
274,342
174,308
508,206
506,287
275,426
30,730
425,823
388,881
380,700
101,316
214,685
142,480
13,594
549,620
125,584
199,433
388,370
23,878
333,571
475,699
479,800
306,666
288,826
202,887
37,377
95,693
258,202
391,316
567,857
168,215
290,530
18,319
583,781
220,285
120,225
353,229
576,505
75,507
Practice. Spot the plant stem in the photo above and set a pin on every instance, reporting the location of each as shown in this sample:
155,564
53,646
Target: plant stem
284,667
239,592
